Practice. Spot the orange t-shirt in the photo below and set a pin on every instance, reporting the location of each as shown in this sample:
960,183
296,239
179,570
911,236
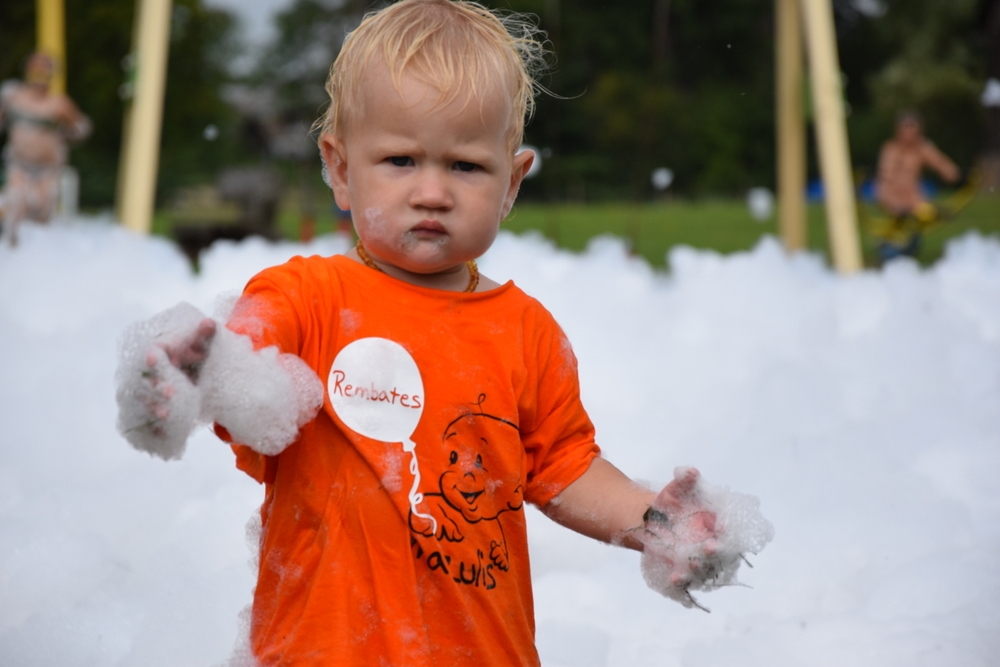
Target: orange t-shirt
394,528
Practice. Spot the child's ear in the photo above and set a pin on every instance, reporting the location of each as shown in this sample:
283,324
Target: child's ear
335,161
519,168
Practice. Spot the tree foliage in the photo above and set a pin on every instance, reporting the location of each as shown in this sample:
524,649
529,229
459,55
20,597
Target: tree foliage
98,38
683,84
310,33
922,55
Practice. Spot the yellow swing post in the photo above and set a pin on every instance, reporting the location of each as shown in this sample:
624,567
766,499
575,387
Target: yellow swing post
140,155
790,130
51,39
831,136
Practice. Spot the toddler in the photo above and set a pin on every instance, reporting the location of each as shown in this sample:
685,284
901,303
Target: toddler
393,523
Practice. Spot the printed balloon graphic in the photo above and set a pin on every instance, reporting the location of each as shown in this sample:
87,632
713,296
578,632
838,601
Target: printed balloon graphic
376,390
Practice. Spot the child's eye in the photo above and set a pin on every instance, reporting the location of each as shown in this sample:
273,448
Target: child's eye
466,166
401,161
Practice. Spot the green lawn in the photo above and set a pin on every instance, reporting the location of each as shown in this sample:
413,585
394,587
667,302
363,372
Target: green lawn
721,225
652,228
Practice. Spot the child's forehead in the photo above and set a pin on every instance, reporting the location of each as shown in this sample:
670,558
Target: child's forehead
416,92
416,86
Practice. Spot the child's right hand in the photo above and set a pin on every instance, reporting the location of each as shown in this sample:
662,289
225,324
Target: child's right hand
180,368
160,360
189,353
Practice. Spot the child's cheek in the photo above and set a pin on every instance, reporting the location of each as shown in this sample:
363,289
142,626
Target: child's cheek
376,224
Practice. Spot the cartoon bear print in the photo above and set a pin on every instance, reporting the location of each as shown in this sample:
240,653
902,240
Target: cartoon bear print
470,496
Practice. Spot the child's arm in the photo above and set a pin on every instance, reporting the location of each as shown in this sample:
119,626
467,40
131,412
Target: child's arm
76,124
692,536
604,504
940,162
180,368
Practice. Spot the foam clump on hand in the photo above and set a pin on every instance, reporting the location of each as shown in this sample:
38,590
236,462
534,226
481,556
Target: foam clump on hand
261,397
696,535
158,405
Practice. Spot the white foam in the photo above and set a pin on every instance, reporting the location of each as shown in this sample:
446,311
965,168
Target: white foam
158,406
680,556
862,411
262,397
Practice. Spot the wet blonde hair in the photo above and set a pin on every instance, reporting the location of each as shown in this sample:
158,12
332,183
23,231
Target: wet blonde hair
456,47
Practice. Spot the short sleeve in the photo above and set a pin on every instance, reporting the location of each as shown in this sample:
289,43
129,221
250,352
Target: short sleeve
268,311
558,436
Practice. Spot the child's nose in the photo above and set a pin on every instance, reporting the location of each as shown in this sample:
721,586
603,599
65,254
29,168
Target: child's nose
432,190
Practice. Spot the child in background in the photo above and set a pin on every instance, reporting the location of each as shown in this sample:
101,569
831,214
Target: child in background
393,527
901,162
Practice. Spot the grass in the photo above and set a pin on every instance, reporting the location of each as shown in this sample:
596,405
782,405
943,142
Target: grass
652,229
721,225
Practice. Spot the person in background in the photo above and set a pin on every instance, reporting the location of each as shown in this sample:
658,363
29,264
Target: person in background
40,125
901,161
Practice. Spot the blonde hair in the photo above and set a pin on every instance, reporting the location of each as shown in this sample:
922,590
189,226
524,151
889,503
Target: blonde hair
452,46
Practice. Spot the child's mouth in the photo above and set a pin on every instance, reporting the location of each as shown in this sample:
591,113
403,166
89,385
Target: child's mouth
429,228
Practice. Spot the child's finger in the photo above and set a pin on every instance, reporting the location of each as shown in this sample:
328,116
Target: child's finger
704,521
684,481
711,547
674,493
189,354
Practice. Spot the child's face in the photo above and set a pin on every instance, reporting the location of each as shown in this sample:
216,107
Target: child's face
908,130
427,184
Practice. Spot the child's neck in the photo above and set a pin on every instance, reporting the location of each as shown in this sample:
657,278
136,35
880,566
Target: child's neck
454,279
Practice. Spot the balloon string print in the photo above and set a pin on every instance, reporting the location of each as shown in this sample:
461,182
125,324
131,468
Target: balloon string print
377,391
415,497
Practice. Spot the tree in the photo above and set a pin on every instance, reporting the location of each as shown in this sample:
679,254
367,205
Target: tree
924,55
648,83
98,38
310,34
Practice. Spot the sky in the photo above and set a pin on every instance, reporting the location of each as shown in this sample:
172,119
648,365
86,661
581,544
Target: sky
862,412
256,16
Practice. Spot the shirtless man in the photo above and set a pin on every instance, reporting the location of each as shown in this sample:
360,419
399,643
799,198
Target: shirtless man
39,127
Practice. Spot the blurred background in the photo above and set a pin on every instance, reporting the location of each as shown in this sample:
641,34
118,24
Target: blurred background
680,88
864,412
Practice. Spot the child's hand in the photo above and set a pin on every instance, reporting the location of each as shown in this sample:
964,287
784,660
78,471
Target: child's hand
159,363
189,353
695,536
679,502
681,539
186,355
180,368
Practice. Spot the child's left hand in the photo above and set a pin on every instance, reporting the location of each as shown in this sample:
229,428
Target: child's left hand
695,536
681,539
